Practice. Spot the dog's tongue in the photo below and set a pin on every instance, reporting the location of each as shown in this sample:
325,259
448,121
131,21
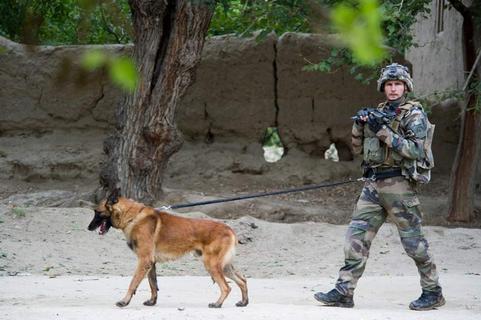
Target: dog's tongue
102,229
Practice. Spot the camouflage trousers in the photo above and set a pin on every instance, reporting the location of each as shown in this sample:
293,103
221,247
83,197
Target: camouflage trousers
396,198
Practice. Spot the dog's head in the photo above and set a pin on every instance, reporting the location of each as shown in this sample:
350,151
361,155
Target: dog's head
103,213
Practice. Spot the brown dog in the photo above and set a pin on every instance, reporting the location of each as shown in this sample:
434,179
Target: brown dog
157,236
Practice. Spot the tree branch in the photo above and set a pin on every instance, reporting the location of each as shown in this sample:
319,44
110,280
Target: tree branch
107,27
460,7
472,71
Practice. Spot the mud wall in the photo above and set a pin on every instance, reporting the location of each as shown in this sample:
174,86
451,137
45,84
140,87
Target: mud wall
242,86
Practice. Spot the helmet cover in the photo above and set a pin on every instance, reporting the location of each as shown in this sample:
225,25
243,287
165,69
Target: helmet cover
395,71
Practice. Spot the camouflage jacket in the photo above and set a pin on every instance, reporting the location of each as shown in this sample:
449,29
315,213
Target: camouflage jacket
405,143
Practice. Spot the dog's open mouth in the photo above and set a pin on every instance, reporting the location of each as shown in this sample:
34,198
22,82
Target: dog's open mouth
103,223
104,227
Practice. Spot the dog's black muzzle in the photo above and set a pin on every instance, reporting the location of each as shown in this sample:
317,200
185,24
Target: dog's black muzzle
98,221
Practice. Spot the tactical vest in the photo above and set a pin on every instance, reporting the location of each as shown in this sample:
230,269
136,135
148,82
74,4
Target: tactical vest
377,153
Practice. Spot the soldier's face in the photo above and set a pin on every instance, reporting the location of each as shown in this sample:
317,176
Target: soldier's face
394,89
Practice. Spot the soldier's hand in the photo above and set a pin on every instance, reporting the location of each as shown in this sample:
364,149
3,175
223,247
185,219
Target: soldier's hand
362,116
375,122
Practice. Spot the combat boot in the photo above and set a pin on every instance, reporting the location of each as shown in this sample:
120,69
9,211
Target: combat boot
427,301
335,299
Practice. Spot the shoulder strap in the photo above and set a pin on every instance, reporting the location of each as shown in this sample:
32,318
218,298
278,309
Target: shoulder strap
410,105
404,109
381,105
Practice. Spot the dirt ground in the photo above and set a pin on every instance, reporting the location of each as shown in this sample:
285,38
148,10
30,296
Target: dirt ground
51,267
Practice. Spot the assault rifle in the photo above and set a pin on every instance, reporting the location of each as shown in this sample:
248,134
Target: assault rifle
380,116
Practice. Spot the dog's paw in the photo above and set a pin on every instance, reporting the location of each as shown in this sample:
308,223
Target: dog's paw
242,303
150,302
215,305
121,303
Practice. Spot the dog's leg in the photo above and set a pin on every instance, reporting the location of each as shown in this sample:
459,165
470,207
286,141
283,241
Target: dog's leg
143,266
213,266
240,280
153,287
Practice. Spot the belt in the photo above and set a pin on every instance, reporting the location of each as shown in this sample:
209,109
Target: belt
379,173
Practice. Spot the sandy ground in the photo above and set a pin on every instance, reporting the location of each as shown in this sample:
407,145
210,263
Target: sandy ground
53,268
81,297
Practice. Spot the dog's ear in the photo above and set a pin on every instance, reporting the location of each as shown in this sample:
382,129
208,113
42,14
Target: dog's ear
113,198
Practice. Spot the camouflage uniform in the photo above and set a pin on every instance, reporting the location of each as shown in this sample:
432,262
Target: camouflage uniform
388,149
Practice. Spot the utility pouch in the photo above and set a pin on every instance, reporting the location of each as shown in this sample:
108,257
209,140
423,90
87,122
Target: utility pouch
374,152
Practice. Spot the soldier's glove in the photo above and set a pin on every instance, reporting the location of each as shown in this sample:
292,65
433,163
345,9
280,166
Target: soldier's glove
361,114
375,121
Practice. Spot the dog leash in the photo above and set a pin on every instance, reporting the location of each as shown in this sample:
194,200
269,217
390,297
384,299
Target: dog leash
256,195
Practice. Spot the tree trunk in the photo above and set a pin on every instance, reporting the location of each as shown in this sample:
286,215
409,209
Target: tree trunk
463,173
169,36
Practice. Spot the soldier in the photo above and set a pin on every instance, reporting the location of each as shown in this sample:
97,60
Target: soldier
395,140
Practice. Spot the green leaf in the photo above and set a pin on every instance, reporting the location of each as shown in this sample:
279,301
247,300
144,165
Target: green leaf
123,73
121,70
272,138
92,60
325,66
18,212
359,77
360,27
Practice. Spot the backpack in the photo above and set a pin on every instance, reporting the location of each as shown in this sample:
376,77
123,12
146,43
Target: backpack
418,170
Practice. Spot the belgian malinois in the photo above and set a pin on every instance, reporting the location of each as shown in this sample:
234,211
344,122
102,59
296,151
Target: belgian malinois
157,236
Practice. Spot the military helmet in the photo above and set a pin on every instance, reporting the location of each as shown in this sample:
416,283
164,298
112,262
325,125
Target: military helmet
395,71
